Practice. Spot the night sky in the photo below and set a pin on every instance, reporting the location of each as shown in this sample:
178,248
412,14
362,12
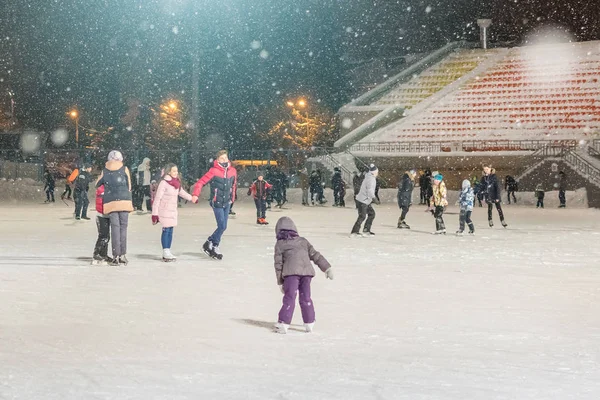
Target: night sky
254,54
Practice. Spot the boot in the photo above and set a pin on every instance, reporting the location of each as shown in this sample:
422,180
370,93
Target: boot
281,328
167,256
207,247
491,223
258,221
217,253
504,224
98,260
403,225
123,260
471,229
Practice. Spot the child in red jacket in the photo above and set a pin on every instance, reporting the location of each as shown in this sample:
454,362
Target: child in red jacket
103,224
259,190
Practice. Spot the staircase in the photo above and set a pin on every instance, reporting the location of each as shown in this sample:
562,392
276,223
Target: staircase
343,161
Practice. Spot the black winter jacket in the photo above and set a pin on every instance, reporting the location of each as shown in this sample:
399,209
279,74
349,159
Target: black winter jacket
491,188
405,189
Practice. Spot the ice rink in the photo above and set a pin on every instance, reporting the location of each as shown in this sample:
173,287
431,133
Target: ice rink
508,314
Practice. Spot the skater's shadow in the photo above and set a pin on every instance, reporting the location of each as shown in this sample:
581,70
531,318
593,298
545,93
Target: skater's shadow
148,257
83,259
266,324
199,255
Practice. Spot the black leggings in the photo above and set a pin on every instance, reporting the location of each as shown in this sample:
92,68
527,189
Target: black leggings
498,207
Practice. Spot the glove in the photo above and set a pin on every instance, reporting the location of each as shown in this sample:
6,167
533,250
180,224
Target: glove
281,288
329,273
154,219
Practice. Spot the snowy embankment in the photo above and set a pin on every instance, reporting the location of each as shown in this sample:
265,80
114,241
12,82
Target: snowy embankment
29,191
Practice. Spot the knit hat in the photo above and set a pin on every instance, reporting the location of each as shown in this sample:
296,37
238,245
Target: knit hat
115,155
372,168
337,169
438,177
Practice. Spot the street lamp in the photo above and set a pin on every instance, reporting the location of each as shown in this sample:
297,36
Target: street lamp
74,114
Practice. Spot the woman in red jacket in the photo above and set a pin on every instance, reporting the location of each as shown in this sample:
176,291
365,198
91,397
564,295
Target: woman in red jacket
222,178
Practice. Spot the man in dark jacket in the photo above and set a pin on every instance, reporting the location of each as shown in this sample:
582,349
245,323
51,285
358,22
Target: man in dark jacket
337,186
405,189
82,185
490,185
426,190
316,187
510,185
49,184
304,185
562,189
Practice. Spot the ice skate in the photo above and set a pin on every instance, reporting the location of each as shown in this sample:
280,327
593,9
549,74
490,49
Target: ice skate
216,253
281,328
207,247
86,218
263,221
355,235
460,233
123,260
368,234
309,327
168,256
491,223
504,224
440,232
403,225
114,262
472,233
98,260
258,221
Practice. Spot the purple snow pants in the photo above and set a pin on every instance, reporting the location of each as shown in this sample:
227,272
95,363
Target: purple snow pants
291,285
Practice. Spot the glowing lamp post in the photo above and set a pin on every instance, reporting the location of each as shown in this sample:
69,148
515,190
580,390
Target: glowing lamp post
75,115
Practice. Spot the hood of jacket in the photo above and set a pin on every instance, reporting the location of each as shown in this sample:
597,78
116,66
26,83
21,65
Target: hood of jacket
466,184
285,223
113,165
144,166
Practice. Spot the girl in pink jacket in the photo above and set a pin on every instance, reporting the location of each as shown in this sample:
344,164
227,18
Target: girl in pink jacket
164,208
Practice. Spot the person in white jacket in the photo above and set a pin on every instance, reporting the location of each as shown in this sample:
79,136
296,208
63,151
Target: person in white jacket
144,180
365,197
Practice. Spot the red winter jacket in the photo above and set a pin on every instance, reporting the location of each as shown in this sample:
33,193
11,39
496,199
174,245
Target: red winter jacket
259,189
223,184
100,199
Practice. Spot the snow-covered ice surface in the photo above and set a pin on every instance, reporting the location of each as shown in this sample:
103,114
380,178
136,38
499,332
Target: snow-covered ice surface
508,314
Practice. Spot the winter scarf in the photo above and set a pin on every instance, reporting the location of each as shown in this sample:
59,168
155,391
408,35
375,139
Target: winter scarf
175,182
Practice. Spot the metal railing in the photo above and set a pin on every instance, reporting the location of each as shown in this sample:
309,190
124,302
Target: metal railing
462,146
583,166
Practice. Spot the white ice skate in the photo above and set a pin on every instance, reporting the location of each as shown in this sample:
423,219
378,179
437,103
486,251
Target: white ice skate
168,256
440,232
356,235
281,328
309,327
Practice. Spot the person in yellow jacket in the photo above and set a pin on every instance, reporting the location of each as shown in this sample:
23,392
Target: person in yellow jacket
438,202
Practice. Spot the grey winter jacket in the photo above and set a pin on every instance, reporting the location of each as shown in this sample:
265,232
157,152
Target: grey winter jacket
367,189
294,256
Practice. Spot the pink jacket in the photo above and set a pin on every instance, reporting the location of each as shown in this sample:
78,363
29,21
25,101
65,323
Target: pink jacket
165,202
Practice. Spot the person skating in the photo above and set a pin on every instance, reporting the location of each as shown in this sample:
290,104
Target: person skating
465,201
405,189
144,175
336,184
315,186
343,194
82,185
304,185
164,207
562,189
438,202
222,178
71,176
491,189
357,180
511,186
539,195
259,191
294,271
117,203
49,184
365,197
478,190
100,256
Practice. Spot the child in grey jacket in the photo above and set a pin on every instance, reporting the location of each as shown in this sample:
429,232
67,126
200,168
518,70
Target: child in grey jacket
294,271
